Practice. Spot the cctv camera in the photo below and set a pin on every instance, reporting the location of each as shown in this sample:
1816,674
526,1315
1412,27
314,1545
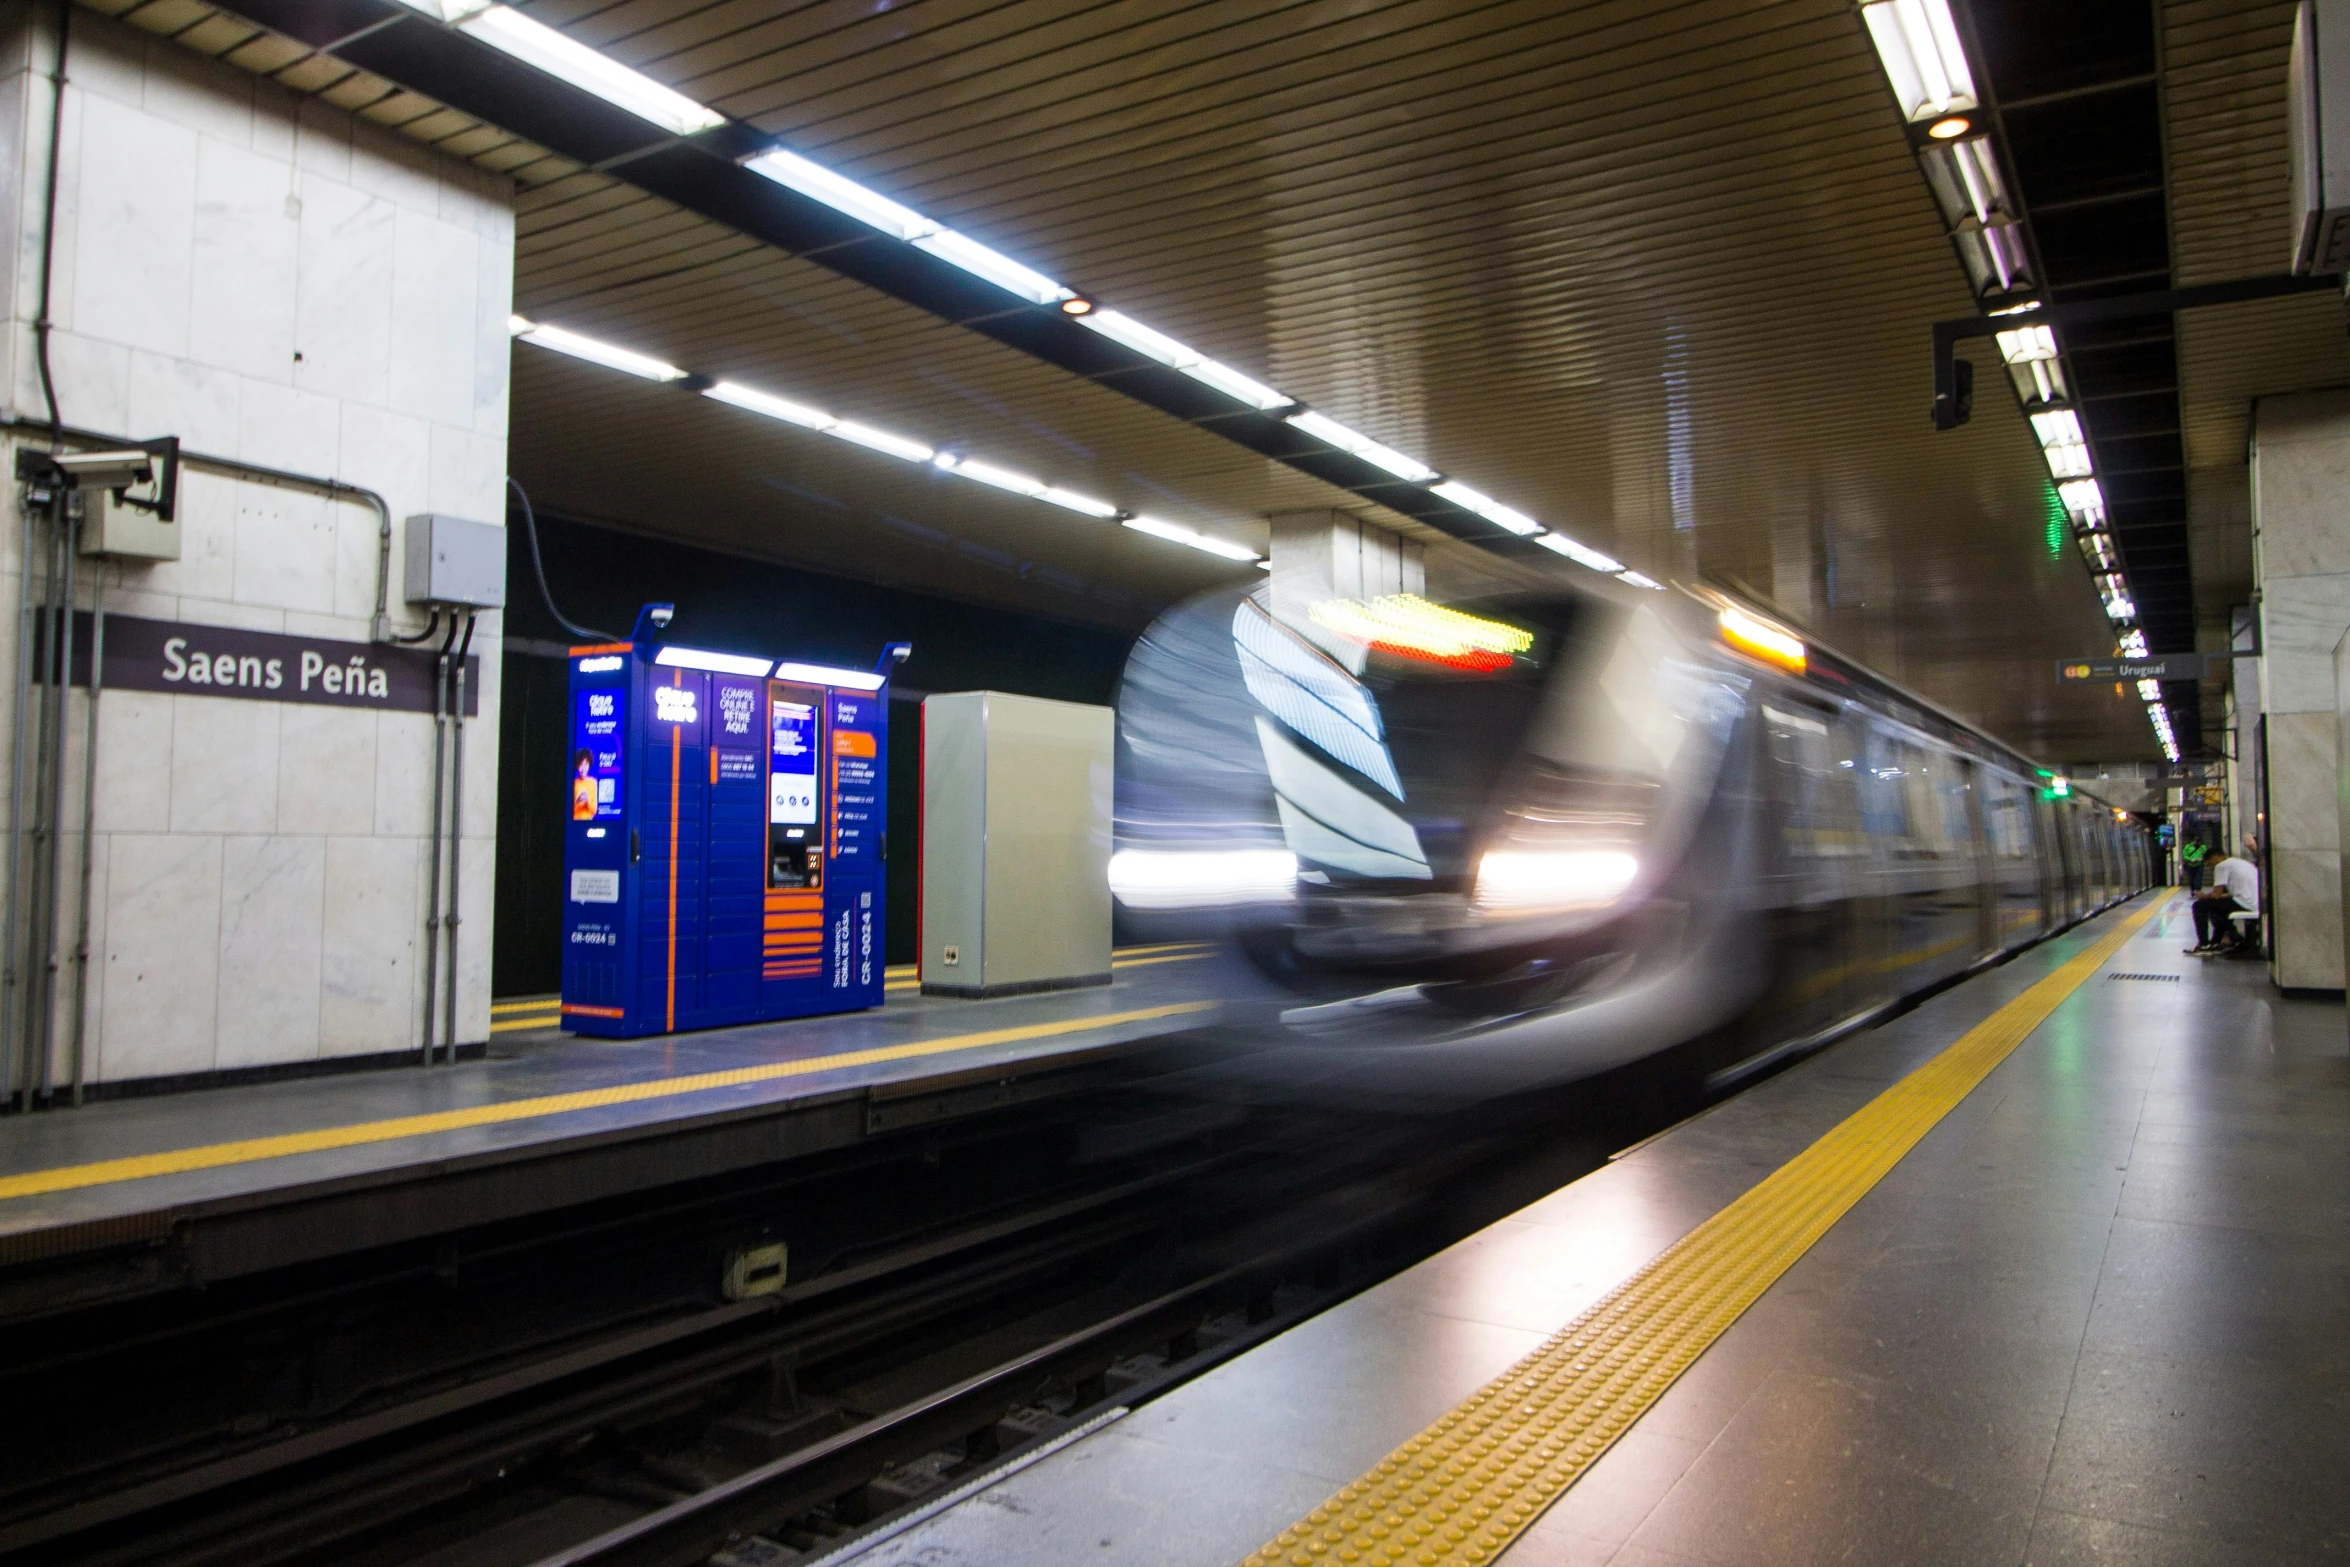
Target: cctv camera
116,470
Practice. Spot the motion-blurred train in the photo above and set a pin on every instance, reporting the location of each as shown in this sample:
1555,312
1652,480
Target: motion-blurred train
1537,836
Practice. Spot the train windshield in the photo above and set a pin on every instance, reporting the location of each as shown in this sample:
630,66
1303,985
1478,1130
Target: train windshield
1457,708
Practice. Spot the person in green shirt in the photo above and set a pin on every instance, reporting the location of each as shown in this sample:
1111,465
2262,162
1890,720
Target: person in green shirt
2191,857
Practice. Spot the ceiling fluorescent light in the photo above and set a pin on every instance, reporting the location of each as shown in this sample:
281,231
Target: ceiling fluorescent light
997,268
1355,443
2149,690
1918,43
724,663
2134,644
1487,507
1581,554
1119,327
875,210
841,193
879,440
1640,581
567,59
1076,502
989,473
2081,496
1198,541
539,335
2026,344
2057,427
773,407
2068,462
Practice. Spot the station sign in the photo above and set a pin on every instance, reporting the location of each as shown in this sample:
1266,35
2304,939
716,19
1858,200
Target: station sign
2165,666
184,658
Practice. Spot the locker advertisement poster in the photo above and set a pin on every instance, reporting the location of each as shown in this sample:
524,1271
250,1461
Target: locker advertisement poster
791,772
595,755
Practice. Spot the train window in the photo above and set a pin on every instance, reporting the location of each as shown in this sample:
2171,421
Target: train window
1953,782
1923,792
1816,766
2006,819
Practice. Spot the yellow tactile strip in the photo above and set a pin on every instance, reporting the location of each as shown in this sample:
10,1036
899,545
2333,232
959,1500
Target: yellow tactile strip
177,1161
1465,1487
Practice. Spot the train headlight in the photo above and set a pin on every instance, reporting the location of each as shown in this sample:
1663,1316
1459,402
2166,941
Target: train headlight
1202,878
1512,880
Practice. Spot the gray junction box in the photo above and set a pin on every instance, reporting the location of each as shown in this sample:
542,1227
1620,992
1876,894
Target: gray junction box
1016,795
454,560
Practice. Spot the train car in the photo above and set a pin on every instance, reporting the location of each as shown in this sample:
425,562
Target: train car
1540,835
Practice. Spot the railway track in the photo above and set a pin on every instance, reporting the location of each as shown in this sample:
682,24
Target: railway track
588,1393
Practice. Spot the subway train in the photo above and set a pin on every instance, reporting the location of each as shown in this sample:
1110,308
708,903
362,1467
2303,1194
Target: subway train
1535,836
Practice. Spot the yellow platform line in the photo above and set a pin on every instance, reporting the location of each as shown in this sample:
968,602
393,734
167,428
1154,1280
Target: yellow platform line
532,1004
179,1161
1464,1488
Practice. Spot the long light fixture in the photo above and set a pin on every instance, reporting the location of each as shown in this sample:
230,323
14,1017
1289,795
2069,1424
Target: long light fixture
1925,62
1581,554
807,416
566,59
1487,507
540,335
2062,443
1153,344
1918,42
563,57
1323,428
1190,539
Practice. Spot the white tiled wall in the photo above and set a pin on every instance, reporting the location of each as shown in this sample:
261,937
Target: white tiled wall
2301,555
273,281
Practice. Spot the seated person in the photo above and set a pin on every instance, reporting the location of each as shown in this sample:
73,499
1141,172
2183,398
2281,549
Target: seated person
2235,885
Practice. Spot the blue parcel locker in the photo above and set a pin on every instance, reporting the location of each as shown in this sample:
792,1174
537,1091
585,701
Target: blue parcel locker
723,858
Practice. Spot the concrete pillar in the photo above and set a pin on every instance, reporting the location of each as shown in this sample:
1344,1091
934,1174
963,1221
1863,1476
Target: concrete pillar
2301,564
275,281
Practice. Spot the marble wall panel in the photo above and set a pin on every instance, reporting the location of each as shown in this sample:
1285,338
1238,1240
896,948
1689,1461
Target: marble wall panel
315,294
162,953
326,770
468,475
2304,781
285,427
403,775
189,90
135,225
372,940
434,273
92,378
134,762
245,272
194,401
343,312
272,912
2307,899
224,765
286,549
2301,618
322,140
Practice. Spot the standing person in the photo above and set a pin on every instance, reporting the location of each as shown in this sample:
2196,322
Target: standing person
2191,856
2235,886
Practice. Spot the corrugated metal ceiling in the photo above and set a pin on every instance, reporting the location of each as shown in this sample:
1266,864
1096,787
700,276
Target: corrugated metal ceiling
1661,274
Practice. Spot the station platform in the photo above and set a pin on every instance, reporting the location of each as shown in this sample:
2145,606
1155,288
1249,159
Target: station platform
2053,1269
163,1192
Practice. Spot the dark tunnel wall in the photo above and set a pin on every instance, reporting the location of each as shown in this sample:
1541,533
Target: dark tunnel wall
599,577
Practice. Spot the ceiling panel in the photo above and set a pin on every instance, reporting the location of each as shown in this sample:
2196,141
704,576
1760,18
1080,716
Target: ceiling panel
1659,273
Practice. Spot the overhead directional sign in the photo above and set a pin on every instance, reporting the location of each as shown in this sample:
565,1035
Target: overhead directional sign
2166,666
